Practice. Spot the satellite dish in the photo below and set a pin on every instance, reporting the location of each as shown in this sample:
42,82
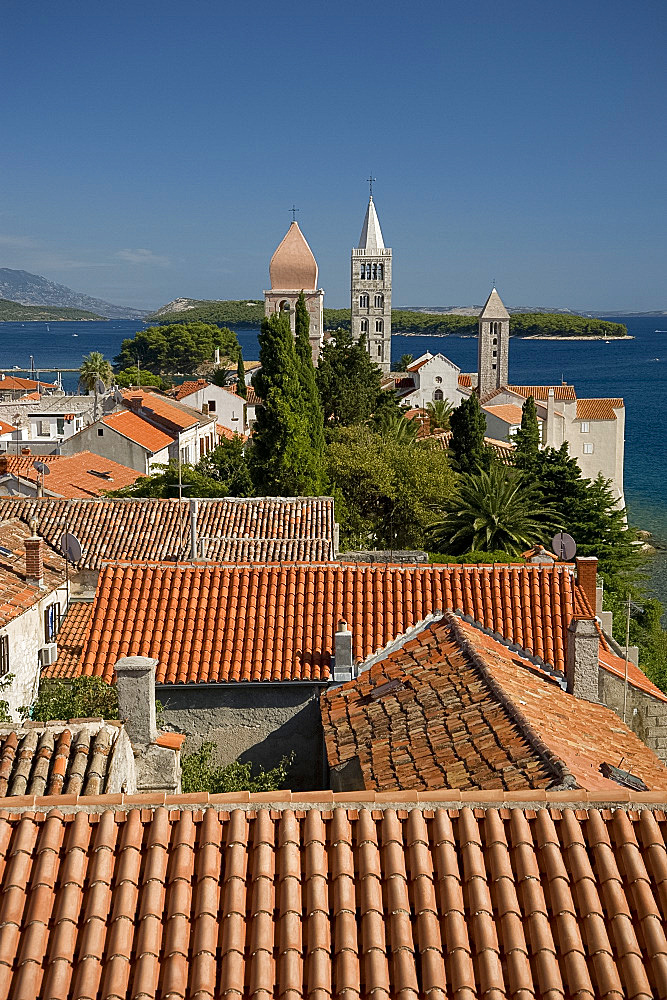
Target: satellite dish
70,546
42,467
118,396
564,546
100,386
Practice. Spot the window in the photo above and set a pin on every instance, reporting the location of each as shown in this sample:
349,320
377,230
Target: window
51,621
364,301
60,425
588,448
495,341
437,379
379,326
211,406
438,395
494,365
495,354
4,655
585,427
100,432
44,428
375,271
380,272
381,352
379,301
364,326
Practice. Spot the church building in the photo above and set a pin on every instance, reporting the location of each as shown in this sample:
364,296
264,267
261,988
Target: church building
370,286
293,269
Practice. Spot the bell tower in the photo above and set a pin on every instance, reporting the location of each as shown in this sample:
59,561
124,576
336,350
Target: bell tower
493,340
370,289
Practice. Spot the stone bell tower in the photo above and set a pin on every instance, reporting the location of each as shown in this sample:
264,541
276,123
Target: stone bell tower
293,269
493,340
370,288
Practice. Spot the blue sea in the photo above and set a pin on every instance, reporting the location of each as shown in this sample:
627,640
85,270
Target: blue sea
635,369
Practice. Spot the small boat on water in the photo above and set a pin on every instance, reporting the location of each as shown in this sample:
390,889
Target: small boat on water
75,334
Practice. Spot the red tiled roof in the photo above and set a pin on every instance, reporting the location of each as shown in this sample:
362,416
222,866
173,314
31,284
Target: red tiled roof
151,403
6,428
277,622
81,475
465,381
454,708
29,397
598,409
134,427
72,759
252,399
125,897
508,412
503,451
541,392
16,596
13,383
230,529
71,640
188,388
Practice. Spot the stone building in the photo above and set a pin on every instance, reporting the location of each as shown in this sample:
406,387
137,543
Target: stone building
493,345
293,269
370,290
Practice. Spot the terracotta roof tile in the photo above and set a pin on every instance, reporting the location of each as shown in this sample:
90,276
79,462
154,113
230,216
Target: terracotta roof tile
81,475
295,902
56,759
6,428
136,429
71,640
598,409
231,529
13,383
252,399
503,451
155,406
16,595
188,388
508,412
454,708
541,392
465,380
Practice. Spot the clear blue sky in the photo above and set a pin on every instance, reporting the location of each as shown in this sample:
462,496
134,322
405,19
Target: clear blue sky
153,149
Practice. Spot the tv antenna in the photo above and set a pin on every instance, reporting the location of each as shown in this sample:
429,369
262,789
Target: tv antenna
564,546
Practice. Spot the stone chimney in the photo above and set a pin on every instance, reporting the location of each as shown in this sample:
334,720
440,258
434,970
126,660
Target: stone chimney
343,661
134,403
587,578
135,683
34,559
582,664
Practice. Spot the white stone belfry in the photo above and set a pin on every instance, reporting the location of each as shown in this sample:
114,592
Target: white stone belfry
370,290
293,269
493,345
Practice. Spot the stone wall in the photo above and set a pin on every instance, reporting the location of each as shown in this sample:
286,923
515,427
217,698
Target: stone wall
645,715
251,722
26,638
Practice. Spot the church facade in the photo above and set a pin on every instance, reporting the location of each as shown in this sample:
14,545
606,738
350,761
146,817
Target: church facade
370,290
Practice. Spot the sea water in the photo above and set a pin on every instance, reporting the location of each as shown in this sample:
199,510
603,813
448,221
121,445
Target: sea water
634,369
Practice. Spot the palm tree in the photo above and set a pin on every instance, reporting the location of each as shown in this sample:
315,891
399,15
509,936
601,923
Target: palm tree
439,413
395,427
495,510
95,369
403,363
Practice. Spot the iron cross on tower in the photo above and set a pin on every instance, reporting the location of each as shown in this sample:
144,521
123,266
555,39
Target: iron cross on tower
371,181
294,210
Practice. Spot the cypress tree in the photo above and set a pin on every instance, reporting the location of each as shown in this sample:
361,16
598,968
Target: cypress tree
467,445
281,458
311,396
241,387
527,438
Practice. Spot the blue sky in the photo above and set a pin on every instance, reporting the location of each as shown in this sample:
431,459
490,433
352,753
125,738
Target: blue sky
153,149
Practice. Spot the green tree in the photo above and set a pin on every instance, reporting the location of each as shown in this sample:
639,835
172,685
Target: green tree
348,381
228,465
177,348
470,453
440,414
201,774
492,510
403,363
395,427
309,391
241,387
165,484
135,377
282,460
527,438
80,698
95,370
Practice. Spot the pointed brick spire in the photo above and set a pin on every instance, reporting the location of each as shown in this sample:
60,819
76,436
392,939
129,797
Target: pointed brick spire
371,234
494,308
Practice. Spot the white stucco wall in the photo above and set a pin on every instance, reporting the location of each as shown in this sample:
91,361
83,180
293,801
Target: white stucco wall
26,638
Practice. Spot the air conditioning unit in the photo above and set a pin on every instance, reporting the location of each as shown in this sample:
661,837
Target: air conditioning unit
48,654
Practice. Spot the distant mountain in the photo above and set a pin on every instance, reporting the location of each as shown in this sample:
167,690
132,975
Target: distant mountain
34,290
15,312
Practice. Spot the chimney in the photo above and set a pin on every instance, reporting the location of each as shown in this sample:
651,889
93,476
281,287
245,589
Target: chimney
34,559
194,505
582,664
343,663
204,409
135,684
587,578
134,402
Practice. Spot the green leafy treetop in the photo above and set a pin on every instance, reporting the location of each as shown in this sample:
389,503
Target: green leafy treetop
283,461
527,438
467,446
177,347
164,484
493,510
135,376
348,381
403,363
241,387
440,414
201,774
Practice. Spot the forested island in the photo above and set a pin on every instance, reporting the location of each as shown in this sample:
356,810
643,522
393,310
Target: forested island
243,312
14,312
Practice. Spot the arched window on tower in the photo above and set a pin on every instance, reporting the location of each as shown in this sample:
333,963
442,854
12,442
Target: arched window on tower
438,395
375,271
364,326
379,326
381,272
379,301
364,301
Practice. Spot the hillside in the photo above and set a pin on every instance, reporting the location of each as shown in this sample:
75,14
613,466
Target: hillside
14,312
28,289
246,312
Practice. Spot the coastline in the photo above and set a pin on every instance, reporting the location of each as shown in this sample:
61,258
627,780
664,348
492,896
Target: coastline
514,336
